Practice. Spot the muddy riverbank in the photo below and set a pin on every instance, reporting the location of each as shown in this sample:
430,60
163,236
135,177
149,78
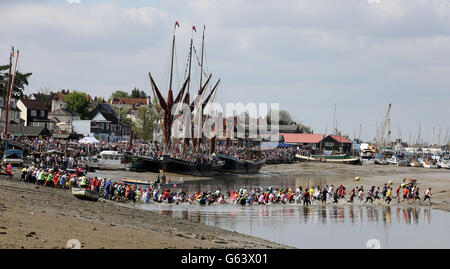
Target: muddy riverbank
46,217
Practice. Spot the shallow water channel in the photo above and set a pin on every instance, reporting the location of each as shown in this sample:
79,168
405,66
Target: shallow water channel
328,226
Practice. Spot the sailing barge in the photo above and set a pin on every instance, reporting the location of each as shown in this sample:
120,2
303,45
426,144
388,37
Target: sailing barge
234,165
164,106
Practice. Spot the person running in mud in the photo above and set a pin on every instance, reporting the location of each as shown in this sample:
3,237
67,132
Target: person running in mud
370,195
388,195
416,194
9,174
406,192
306,198
397,193
427,195
323,198
352,195
377,194
360,194
336,196
385,188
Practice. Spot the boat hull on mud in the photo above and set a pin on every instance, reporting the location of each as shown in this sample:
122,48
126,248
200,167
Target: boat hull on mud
85,194
331,159
150,164
236,166
178,166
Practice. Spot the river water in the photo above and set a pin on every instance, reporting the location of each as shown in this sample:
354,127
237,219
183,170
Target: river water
325,226
331,226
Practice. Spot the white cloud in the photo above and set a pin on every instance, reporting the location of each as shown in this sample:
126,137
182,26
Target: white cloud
74,1
307,54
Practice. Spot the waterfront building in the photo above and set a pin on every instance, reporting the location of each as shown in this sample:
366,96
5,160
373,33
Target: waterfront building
33,112
104,124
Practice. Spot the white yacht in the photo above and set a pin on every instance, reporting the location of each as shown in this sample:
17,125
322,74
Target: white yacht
110,160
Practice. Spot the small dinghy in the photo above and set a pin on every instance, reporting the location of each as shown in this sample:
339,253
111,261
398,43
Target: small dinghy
85,194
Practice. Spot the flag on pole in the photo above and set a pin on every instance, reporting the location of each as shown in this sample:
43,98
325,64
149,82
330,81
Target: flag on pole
177,24
193,28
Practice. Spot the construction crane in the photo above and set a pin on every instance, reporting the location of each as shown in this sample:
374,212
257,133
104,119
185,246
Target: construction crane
386,123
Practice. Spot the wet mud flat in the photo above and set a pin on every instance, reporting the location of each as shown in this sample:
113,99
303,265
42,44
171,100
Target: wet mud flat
47,217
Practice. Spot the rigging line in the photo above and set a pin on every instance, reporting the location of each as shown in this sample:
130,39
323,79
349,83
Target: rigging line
205,62
199,64
187,67
176,68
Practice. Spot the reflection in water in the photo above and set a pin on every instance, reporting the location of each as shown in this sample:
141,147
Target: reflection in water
331,226
319,214
427,215
387,214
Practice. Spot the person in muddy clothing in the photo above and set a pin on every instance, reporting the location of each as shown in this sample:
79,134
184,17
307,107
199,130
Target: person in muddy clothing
352,195
306,198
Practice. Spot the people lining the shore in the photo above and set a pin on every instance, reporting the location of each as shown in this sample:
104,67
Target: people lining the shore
302,195
65,171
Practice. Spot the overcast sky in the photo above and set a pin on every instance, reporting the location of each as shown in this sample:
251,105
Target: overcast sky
306,55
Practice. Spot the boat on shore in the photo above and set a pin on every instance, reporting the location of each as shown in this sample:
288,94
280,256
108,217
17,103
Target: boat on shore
428,164
13,156
137,182
343,158
234,165
415,163
110,160
397,161
381,161
198,168
85,194
444,163
149,164
157,184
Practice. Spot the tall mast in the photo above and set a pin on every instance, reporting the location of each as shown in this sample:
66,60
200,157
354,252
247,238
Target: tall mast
8,89
334,120
359,136
201,63
190,55
173,52
168,113
197,141
186,98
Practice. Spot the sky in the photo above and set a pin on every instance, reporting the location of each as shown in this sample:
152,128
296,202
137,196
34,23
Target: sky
306,55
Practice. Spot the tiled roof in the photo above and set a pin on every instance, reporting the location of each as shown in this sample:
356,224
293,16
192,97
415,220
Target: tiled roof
302,138
130,101
34,104
340,139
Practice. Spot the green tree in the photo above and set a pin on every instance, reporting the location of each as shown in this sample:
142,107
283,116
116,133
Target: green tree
136,93
77,102
144,124
119,94
122,115
284,117
20,81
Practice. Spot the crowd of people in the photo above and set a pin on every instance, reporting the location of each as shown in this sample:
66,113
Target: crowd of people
53,164
58,148
315,195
